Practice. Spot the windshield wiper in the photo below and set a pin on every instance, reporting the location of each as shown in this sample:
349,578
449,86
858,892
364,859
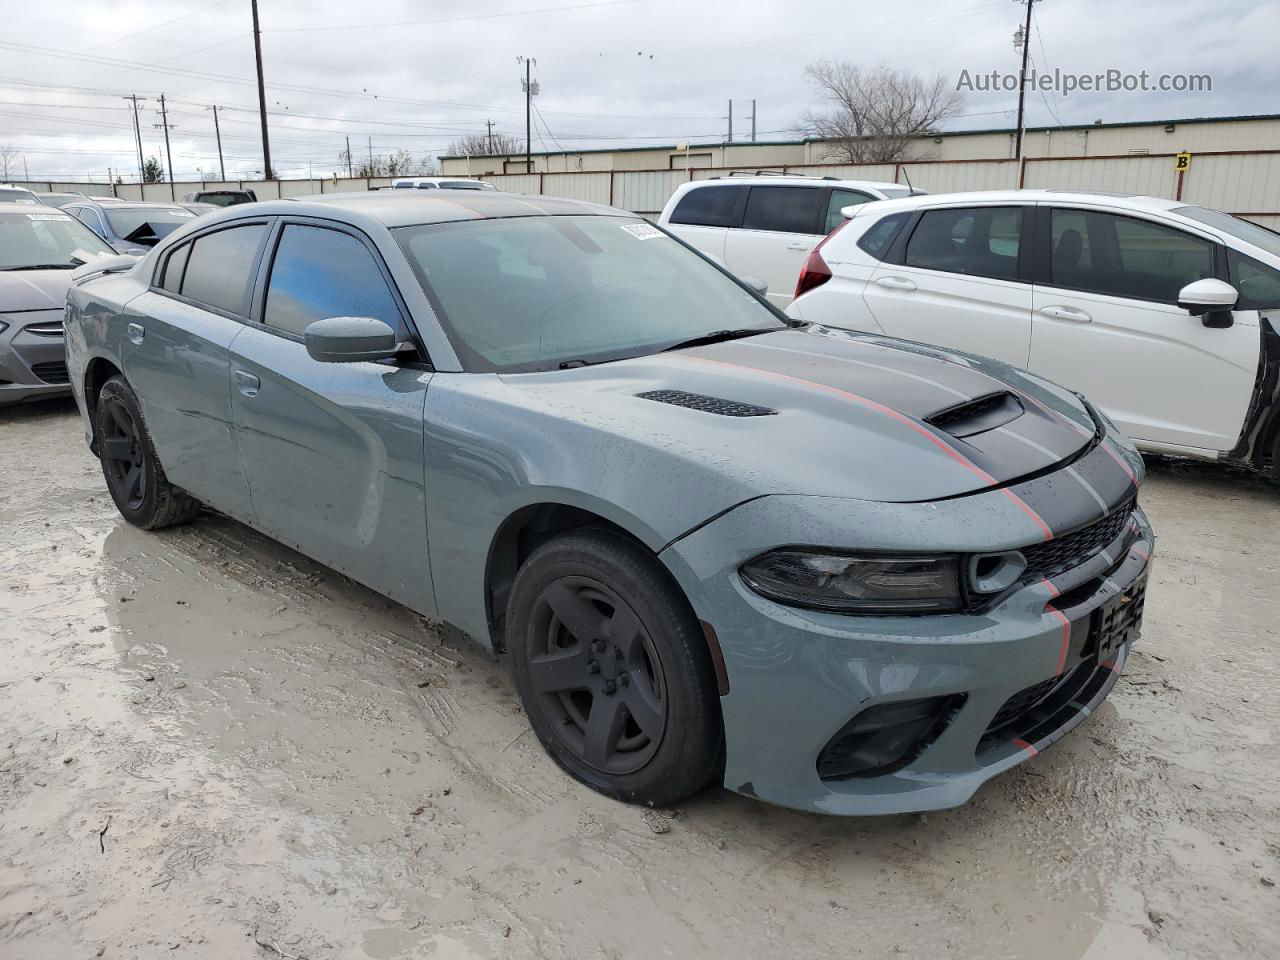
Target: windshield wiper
716,336
44,266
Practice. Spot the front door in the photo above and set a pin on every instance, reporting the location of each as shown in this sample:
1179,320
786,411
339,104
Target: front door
1107,324
334,451
959,284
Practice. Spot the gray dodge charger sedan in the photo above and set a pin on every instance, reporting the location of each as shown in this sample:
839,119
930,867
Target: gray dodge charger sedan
832,571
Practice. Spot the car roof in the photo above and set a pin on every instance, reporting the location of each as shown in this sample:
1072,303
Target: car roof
800,180
1123,201
401,208
116,204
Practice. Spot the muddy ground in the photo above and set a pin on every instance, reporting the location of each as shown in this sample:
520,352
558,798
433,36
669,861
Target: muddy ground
212,747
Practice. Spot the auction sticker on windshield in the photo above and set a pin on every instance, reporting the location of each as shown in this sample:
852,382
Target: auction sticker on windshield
643,231
47,216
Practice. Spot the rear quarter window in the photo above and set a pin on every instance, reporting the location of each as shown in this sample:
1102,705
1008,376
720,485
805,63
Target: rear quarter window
880,235
710,206
785,210
220,267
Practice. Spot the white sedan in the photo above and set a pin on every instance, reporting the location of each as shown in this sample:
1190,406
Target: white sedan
1164,314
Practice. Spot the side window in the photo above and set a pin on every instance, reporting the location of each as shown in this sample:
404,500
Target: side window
977,241
220,267
839,200
319,273
1259,285
1124,256
784,209
709,207
173,267
879,237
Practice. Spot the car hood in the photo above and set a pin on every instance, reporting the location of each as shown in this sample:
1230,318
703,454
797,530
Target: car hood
828,413
28,290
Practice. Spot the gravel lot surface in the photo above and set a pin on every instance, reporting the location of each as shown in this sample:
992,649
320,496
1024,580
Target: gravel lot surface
213,747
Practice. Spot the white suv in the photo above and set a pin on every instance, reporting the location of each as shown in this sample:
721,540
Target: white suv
764,226
1165,315
440,183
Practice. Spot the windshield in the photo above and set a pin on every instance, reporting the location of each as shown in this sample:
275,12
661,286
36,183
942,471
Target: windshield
464,185
17,196
892,193
536,293
223,199
146,225
58,199
1260,237
47,239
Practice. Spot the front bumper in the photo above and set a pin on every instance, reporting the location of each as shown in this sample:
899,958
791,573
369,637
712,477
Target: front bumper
797,677
32,365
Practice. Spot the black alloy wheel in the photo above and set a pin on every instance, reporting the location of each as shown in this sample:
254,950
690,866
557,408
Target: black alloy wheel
123,461
613,668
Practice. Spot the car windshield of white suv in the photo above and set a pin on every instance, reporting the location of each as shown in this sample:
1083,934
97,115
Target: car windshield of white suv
1260,237
46,241
537,293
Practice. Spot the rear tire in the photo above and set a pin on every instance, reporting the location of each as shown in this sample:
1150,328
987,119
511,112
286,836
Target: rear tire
137,483
613,670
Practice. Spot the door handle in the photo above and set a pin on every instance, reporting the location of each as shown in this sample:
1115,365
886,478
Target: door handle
896,283
247,383
797,246
136,333
1074,314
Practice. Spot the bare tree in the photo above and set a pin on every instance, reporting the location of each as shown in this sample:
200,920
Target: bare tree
8,155
478,145
874,113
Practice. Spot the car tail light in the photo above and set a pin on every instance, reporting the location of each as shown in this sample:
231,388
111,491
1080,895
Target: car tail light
815,271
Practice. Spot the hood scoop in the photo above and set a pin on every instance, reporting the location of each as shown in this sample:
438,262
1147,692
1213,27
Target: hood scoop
978,415
717,405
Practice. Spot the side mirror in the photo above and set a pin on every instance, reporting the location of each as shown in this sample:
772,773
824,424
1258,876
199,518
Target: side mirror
349,339
756,284
1211,300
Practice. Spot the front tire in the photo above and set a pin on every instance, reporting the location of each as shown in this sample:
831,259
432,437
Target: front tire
612,669
137,483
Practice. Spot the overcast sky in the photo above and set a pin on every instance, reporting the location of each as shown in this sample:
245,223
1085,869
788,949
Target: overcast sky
415,74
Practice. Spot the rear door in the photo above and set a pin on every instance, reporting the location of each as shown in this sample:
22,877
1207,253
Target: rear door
959,277
780,226
703,216
333,451
179,334
1107,324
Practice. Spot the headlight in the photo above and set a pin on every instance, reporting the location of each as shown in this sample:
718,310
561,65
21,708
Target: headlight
845,583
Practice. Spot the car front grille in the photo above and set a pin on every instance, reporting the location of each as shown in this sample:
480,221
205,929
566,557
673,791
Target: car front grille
1070,550
52,371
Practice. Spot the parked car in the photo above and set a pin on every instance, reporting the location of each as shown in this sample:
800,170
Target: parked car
59,199
440,183
200,209
39,248
221,198
764,226
12,193
1165,314
845,574
130,227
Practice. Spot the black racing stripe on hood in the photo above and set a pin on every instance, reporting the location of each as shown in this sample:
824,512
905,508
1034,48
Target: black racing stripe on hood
1068,499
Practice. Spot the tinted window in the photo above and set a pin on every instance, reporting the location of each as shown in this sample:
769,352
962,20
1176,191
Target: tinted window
877,239
146,225
1124,256
978,241
783,209
709,206
220,267
535,293
839,200
1259,285
1259,236
321,273
172,279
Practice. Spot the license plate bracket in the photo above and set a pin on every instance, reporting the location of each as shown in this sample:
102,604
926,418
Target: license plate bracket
1118,622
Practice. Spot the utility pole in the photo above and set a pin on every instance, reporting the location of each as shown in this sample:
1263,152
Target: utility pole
1022,88
222,170
137,130
730,140
530,91
168,156
489,125
371,156
753,121
349,173
262,96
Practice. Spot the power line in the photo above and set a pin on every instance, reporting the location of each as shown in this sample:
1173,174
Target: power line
485,16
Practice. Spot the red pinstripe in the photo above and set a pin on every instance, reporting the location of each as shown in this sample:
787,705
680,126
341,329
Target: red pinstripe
1022,744
906,421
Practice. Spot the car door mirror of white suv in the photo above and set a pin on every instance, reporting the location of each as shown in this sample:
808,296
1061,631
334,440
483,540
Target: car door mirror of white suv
756,284
349,339
1211,300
